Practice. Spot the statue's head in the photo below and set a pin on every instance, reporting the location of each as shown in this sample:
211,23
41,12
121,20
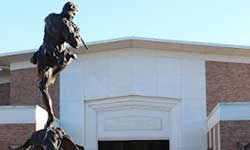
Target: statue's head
69,10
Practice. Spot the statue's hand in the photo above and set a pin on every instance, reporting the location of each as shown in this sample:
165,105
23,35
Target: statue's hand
77,29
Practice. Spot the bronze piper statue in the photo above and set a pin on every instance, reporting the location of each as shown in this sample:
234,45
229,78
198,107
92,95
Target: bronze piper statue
52,56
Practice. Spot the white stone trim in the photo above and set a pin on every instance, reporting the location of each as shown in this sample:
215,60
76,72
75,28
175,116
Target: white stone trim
142,39
229,111
184,42
17,114
210,139
227,58
30,114
133,101
21,65
214,142
219,142
17,52
90,136
213,117
93,108
227,49
4,79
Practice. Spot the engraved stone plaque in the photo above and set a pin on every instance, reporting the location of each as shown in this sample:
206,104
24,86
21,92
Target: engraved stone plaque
133,123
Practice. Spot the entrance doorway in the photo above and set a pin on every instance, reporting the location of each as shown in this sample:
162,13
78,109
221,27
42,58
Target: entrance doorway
134,145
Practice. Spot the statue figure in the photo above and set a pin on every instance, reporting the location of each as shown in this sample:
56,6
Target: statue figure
52,56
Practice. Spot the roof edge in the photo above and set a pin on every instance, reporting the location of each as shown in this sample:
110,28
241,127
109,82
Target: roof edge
138,38
142,42
169,41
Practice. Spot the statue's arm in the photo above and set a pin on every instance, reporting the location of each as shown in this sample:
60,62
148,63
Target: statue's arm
70,34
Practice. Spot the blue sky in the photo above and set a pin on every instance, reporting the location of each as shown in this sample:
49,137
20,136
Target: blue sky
212,21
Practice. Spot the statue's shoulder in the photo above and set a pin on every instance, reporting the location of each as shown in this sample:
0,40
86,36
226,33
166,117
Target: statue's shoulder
54,22
53,17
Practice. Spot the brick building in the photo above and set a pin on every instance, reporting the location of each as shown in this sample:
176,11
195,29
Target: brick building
136,93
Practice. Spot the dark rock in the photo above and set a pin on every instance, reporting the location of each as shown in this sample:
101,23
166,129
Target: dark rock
50,139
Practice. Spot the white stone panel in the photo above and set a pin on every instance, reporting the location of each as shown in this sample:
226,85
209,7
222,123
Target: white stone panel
72,82
133,124
145,74
193,105
168,77
193,79
90,140
128,123
96,79
72,119
176,129
188,126
120,75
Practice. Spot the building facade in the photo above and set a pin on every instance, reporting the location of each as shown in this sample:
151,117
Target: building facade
136,93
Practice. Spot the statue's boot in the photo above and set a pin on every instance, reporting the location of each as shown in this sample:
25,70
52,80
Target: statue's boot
73,56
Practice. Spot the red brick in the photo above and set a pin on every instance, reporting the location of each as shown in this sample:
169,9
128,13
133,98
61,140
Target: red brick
234,132
226,82
24,89
14,134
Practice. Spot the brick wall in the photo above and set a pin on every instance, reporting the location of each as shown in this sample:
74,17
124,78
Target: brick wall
226,135
4,93
226,82
14,134
234,132
24,89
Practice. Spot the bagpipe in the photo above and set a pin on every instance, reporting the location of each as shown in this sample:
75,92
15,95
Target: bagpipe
77,29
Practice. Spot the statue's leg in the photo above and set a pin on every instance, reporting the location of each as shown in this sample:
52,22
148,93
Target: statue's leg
58,69
64,60
44,84
48,104
24,146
